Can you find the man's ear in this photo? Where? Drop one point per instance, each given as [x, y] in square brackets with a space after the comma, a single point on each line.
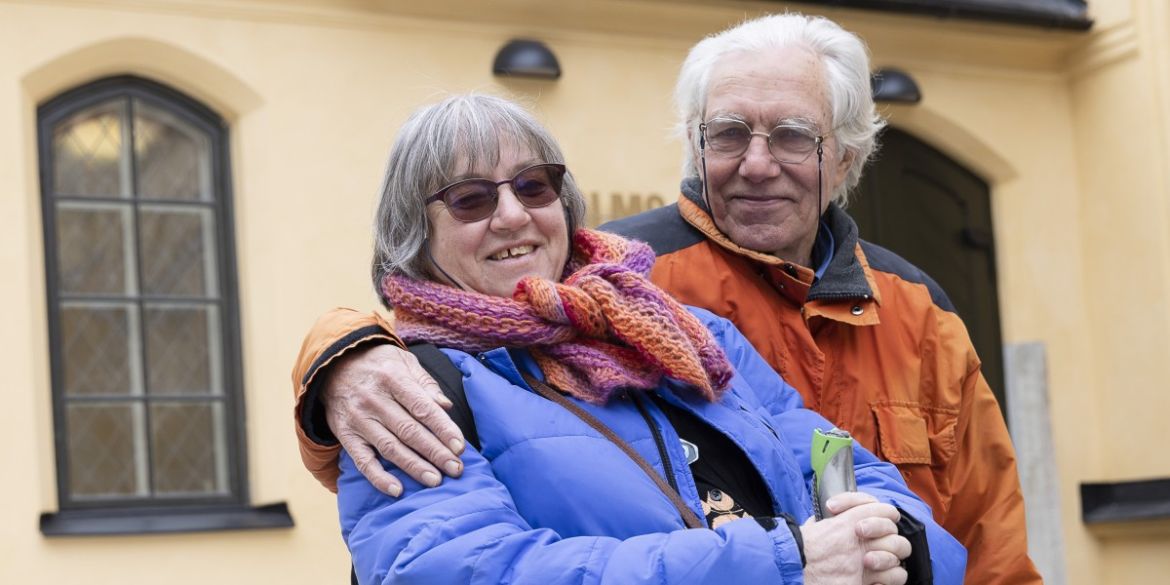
[693, 148]
[844, 164]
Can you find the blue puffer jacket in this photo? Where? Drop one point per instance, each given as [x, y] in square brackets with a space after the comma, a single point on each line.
[549, 500]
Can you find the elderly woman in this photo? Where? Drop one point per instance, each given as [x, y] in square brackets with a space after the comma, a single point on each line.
[623, 438]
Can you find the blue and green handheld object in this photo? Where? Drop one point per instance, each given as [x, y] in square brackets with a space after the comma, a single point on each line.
[832, 464]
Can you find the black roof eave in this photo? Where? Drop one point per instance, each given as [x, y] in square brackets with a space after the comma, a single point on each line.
[1065, 16]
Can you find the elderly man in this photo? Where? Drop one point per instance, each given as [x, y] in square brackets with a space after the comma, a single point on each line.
[779, 122]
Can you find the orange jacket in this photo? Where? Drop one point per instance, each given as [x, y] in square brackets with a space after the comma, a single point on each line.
[874, 346]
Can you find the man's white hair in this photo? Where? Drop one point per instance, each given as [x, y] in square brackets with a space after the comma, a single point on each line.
[846, 66]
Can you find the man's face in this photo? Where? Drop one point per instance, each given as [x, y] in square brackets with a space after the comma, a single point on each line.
[758, 202]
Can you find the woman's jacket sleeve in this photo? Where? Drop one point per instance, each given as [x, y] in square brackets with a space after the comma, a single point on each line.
[467, 530]
[783, 404]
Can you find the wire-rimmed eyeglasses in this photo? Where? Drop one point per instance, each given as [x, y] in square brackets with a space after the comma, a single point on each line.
[788, 143]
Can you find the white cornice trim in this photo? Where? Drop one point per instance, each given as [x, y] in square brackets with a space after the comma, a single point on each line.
[1103, 48]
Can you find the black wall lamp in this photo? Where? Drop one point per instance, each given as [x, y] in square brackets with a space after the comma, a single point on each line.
[894, 86]
[525, 58]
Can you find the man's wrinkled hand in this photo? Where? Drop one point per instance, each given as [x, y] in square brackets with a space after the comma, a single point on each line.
[379, 400]
[860, 544]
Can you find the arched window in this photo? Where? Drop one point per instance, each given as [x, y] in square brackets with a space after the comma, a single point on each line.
[143, 313]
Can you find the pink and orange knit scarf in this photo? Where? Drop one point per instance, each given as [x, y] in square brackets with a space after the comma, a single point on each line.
[605, 327]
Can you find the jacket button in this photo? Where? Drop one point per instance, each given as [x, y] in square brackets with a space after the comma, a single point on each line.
[857, 310]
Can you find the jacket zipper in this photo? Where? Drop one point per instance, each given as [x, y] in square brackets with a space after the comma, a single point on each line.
[658, 441]
[837, 296]
[759, 418]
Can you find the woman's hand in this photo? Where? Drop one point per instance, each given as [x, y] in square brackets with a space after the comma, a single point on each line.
[860, 544]
[380, 400]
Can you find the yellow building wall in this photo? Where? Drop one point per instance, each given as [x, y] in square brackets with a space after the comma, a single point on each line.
[1070, 129]
[1119, 86]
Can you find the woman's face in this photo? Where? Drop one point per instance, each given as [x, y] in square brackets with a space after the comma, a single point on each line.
[491, 255]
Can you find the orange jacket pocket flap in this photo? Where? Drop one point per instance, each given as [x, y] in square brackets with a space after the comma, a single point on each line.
[902, 432]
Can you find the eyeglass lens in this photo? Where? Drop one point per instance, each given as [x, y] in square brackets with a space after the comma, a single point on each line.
[474, 199]
[788, 144]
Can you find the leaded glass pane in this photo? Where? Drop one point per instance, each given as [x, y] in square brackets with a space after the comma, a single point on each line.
[99, 343]
[178, 251]
[95, 248]
[173, 159]
[106, 457]
[182, 349]
[88, 158]
[188, 449]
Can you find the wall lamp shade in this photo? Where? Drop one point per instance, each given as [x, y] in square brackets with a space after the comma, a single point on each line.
[524, 58]
[894, 86]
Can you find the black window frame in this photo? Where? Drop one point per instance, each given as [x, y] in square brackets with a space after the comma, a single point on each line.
[139, 514]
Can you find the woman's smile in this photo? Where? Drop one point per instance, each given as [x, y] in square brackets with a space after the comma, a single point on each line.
[514, 252]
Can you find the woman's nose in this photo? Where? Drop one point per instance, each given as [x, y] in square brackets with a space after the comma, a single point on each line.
[510, 214]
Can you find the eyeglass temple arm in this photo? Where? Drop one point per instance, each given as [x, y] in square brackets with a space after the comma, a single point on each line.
[703, 162]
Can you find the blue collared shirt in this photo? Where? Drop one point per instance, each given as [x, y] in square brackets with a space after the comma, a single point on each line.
[823, 250]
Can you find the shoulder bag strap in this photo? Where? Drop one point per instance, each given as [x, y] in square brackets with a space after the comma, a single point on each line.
[689, 517]
[450, 381]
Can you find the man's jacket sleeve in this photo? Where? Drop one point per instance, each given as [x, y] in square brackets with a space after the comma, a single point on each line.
[332, 335]
[783, 404]
[983, 469]
[467, 530]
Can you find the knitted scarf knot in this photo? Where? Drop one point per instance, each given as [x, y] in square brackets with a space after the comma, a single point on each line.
[604, 328]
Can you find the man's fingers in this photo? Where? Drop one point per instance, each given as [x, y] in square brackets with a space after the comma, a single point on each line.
[894, 576]
[879, 560]
[387, 442]
[414, 461]
[847, 500]
[391, 449]
[408, 461]
[875, 527]
[871, 509]
[418, 394]
[893, 544]
[435, 419]
[369, 466]
[408, 444]
[422, 380]
[370, 430]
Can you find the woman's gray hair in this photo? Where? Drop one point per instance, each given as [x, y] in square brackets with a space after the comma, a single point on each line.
[846, 65]
[459, 130]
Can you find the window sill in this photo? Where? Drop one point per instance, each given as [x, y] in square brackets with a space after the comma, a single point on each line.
[108, 522]
[1127, 508]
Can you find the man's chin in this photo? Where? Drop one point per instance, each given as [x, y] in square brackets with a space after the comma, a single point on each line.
[765, 238]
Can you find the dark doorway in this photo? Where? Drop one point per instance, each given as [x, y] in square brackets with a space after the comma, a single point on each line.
[935, 213]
